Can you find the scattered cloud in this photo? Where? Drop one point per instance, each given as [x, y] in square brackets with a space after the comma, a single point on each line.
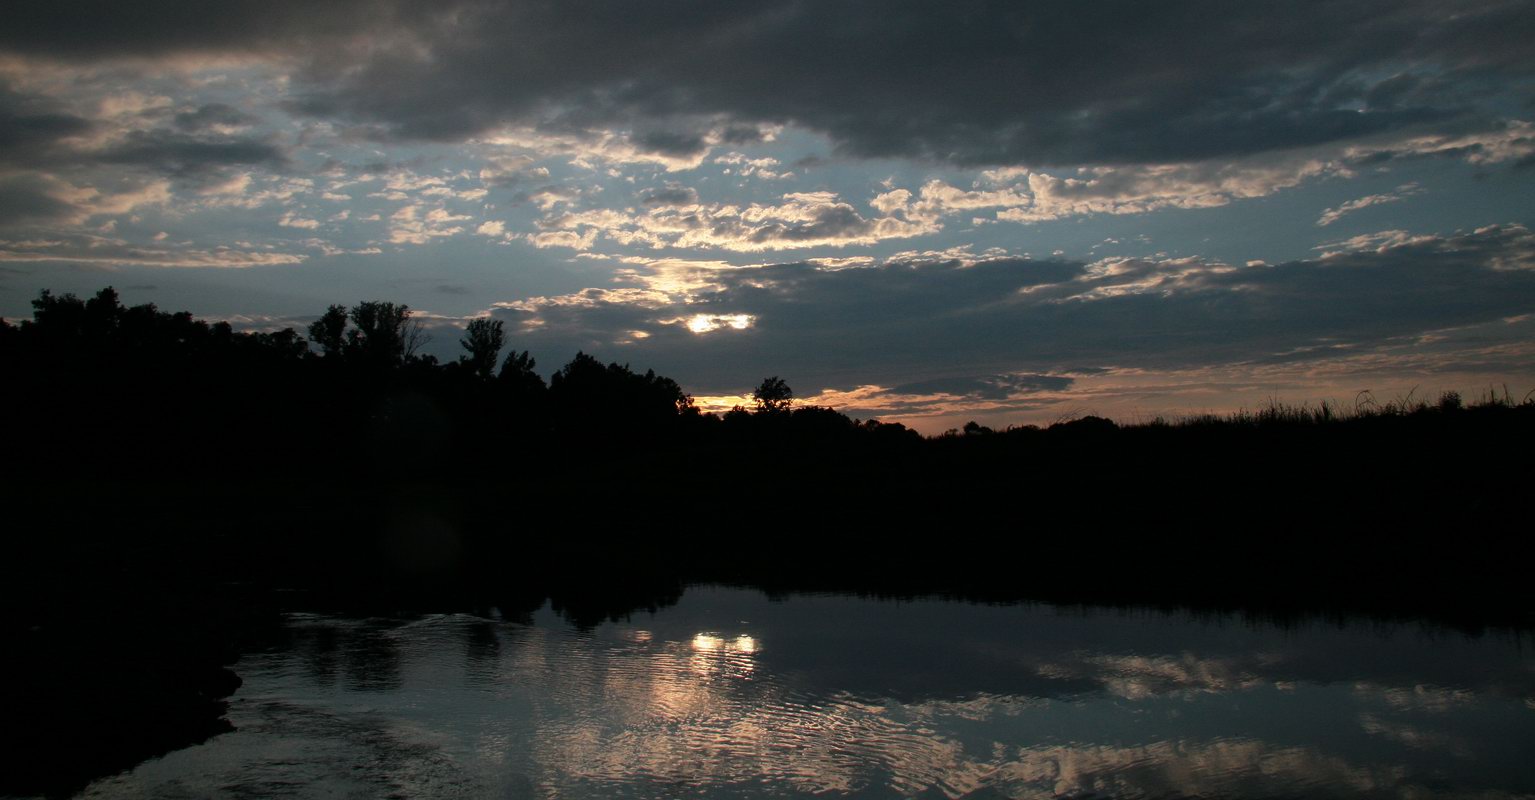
[411, 225]
[108, 252]
[1401, 193]
[1511, 140]
[1006, 330]
[799, 220]
[1023, 195]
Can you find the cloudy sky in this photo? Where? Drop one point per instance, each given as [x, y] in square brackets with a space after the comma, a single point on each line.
[1002, 211]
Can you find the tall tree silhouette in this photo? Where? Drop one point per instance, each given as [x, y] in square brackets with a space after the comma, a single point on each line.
[483, 339]
[380, 332]
[384, 333]
[329, 331]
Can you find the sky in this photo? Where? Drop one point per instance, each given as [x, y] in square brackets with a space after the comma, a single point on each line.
[928, 213]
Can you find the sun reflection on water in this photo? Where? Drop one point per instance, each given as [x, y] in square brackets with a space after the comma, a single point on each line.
[740, 644]
[714, 654]
[708, 710]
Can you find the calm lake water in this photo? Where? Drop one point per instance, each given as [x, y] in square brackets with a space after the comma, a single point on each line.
[731, 694]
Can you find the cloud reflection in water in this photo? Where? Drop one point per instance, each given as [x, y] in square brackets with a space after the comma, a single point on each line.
[807, 698]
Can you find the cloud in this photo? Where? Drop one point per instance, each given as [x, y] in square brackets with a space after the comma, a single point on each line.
[30, 198]
[43, 199]
[1377, 242]
[291, 220]
[231, 185]
[33, 128]
[409, 225]
[548, 197]
[1401, 193]
[1023, 195]
[799, 220]
[215, 117]
[176, 153]
[673, 194]
[970, 396]
[974, 83]
[249, 28]
[765, 168]
[1010, 327]
[591, 147]
[108, 252]
[990, 387]
[1511, 140]
[510, 170]
[38, 131]
[574, 241]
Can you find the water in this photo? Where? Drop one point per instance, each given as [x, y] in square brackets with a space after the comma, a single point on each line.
[730, 694]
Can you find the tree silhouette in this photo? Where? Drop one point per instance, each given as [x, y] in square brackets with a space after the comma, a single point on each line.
[483, 339]
[518, 378]
[617, 396]
[773, 395]
[329, 331]
[381, 334]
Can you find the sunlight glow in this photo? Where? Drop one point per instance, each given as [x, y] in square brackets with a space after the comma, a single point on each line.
[719, 404]
[705, 323]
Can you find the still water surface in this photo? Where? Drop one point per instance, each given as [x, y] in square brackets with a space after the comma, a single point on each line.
[731, 694]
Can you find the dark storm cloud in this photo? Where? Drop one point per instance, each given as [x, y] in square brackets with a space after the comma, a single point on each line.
[180, 154]
[970, 81]
[934, 326]
[27, 199]
[92, 29]
[31, 128]
[37, 133]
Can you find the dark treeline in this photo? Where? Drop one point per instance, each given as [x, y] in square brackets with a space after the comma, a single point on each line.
[343, 457]
[166, 385]
[172, 484]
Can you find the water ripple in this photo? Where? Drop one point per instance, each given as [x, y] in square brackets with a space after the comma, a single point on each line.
[698, 702]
